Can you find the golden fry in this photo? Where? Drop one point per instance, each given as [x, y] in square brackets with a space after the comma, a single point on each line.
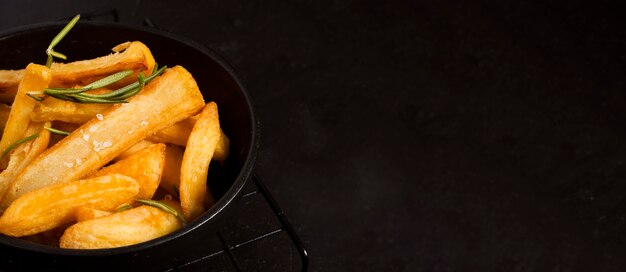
[52, 109]
[9, 80]
[203, 139]
[36, 78]
[179, 133]
[24, 153]
[133, 149]
[145, 166]
[120, 229]
[4, 114]
[171, 171]
[56, 205]
[102, 139]
[84, 213]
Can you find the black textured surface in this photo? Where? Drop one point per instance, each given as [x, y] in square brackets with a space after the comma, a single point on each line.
[425, 136]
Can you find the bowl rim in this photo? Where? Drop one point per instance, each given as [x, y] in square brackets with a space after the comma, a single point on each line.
[233, 192]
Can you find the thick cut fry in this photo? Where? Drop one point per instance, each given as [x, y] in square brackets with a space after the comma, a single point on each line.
[134, 149]
[168, 99]
[84, 213]
[56, 205]
[179, 133]
[171, 172]
[36, 78]
[52, 109]
[24, 153]
[134, 56]
[200, 148]
[120, 229]
[4, 114]
[128, 56]
[145, 166]
[9, 80]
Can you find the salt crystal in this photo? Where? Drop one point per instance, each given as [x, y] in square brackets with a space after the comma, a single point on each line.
[93, 129]
[86, 137]
[68, 164]
[79, 161]
[144, 122]
[99, 116]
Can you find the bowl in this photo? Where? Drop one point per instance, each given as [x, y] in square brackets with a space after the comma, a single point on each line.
[218, 82]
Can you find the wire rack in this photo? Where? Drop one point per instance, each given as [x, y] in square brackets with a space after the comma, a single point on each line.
[259, 238]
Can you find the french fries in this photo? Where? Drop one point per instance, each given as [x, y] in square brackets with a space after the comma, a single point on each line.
[145, 166]
[55, 205]
[201, 144]
[97, 142]
[36, 77]
[149, 133]
[9, 80]
[23, 154]
[124, 228]
[84, 213]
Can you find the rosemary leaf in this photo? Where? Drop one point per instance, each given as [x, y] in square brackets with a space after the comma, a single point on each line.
[18, 142]
[33, 96]
[65, 90]
[109, 79]
[124, 207]
[63, 32]
[163, 206]
[85, 98]
[57, 131]
[57, 55]
[129, 87]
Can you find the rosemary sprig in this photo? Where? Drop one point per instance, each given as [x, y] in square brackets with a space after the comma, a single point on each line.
[18, 142]
[57, 131]
[163, 206]
[50, 50]
[123, 207]
[116, 96]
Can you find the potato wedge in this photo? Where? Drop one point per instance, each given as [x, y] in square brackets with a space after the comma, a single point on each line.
[179, 133]
[145, 166]
[194, 194]
[24, 153]
[171, 171]
[4, 115]
[56, 205]
[134, 56]
[124, 228]
[84, 213]
[52, 109]
[36, 78]
[99, 141]
[9, 80]
[134, 149]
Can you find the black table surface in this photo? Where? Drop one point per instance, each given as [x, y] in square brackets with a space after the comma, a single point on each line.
[422, 135]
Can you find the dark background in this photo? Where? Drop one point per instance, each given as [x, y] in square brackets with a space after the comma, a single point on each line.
[423, 135]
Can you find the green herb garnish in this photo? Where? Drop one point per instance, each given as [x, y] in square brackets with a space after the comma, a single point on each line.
[18, 142]
[50, 50]
[57, 131]
[163, 206]
[123, 207]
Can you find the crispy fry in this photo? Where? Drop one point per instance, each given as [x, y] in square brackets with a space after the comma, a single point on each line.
[168, 99]
[134, 149]
[84, 213]
[56, 205]
[120, 229]
[179, 133]
[4, 114]
[36, 78]
[128, 56]
[171, 171]
[145, 166]
[24, 153]
[200, 149]
[9, 80]
[52, 109]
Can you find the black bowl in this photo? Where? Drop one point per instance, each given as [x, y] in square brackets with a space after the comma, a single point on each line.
[218, 83]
